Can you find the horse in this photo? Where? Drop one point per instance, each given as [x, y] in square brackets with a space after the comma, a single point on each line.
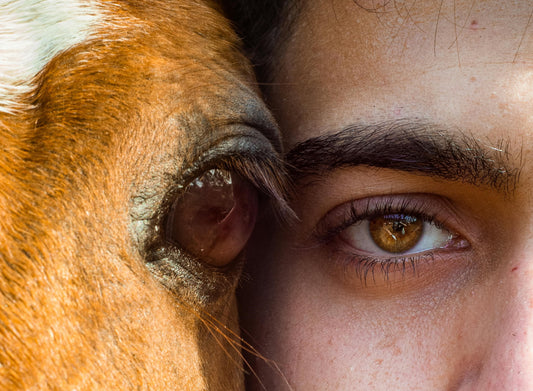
[136, 154]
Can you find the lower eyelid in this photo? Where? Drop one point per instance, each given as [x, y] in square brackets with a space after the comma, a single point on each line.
[368, 277]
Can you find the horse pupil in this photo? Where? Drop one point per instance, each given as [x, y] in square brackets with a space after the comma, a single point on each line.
[214, 217]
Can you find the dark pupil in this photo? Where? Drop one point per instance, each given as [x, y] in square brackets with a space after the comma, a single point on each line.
[214, 217]
[400, 223]
[399, 227]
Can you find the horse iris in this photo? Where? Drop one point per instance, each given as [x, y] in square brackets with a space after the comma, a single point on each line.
[214, 218]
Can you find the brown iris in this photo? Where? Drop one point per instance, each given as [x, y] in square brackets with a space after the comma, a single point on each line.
[396, 233]
[214, 217]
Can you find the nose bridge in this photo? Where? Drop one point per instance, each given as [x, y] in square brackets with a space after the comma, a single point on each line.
[509, 361]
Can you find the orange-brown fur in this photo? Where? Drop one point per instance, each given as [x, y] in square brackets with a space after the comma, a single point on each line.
[110, 127]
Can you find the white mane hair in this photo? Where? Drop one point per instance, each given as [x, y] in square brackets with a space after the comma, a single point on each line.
[32, 32]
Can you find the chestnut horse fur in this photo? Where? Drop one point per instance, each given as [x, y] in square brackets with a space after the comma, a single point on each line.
[108, 109]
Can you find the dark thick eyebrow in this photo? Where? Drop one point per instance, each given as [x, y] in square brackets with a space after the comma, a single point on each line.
[409, 145]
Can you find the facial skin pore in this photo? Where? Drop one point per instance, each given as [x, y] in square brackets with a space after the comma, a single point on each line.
[417, 108]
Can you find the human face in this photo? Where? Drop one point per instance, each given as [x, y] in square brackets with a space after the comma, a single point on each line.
[411, 267]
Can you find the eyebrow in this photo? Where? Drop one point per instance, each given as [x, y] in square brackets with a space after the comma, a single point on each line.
[410, 145]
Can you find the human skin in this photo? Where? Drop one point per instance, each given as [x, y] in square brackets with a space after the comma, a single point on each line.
[319, 306]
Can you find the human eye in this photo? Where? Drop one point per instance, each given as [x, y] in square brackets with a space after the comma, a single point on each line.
[387, 236]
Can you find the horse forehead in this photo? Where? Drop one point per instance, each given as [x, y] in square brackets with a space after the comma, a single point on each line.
[32, 32]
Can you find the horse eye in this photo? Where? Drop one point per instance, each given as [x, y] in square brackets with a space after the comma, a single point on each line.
[214, 218]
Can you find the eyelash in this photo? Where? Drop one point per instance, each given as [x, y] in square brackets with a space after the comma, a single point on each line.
[384, 206]
[364, 266]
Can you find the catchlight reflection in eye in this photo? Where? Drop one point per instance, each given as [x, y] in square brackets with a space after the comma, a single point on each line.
[214, 218]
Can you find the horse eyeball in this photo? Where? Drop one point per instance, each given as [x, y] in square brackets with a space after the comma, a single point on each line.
[214, 218]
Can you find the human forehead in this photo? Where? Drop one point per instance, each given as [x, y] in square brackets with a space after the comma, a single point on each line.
[344, 60]
[440, 26]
